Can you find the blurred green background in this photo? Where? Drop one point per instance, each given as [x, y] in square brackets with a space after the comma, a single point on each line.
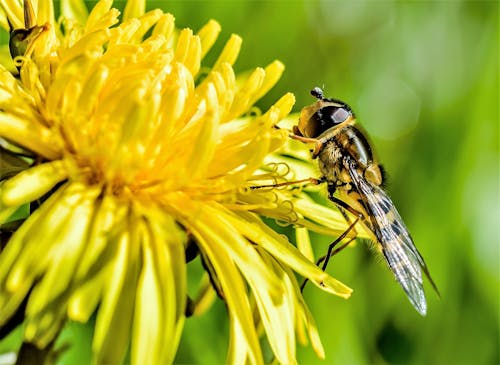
[423, 80]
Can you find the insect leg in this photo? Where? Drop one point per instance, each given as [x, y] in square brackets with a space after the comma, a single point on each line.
[318, 144]
[331, 248]
[331, 252]
[310, 180]
[325, 259]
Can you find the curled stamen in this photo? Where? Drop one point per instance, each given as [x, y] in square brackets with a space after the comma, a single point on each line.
[276, 166]
[289, 216]
[254, 112]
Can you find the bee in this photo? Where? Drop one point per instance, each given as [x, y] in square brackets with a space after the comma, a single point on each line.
[347, 164]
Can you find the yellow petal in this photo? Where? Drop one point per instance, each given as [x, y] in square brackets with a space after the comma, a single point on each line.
[273, 74]
[109, 217]
[74, 9]
[116, 309]
[65, 254]
[20, 255]
[206, 141]
[165, 26]
[27, 134]
[283, 251]
[208, 35]
[230, 52]
[236, 300]
[31, 184]
[304, 242]
[156, 316]
[14, 13]
[247, 93]
[101, 16]
[42, 329]
[188, 51]
[240, 350]
[327, 217]
[134, 9]
[85, 298]
[278, 318]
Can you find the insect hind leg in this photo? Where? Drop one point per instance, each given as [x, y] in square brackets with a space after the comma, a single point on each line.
[332, 250]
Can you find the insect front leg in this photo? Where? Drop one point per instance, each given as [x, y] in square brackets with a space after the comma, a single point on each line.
[318, 143]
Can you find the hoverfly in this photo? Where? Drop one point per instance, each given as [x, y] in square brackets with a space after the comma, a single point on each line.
[349, 168]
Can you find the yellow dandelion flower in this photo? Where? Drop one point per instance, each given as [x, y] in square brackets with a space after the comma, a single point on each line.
[137, 154]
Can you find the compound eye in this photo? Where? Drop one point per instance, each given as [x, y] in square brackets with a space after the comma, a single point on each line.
[331, 115]
[326, 118]
[340, 115]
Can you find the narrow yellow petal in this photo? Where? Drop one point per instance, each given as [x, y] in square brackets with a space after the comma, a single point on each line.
[234, 295]
[304, 317]
[101, 16]
[42, 329]
[247, 93]
[18, 241]
[27, 134]
[157, 316]
[74, 9]
[116, 309]
[44, 236]
[283, 251]
[273, 74]
[91, 89]
[179, 86]
[109, 217]
[304, 242]
[6, 213]
[313, 333]
[67, 246]
[205, 297]
[278, 318]
[14, 13]
[240, 351]
[4, 23]
[134, 9]
[326, 216]
[45, 13]
[85, 298]
[165, 26]
[285, 103]
[213, 222]
[21, 255]
[30, 184]
[208, 35]
[206, 141]
[188, 50]
[230, 52]
[146, 22]
[151, 313]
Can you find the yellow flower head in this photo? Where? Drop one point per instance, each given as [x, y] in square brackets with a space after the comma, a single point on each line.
[137, 152]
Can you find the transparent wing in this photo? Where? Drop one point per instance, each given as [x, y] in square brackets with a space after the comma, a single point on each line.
[398, 248]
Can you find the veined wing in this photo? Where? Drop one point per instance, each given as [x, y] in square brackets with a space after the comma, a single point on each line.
[398, 248]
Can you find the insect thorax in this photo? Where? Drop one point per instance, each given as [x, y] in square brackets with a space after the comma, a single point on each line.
[330, 162]
[348, 142]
